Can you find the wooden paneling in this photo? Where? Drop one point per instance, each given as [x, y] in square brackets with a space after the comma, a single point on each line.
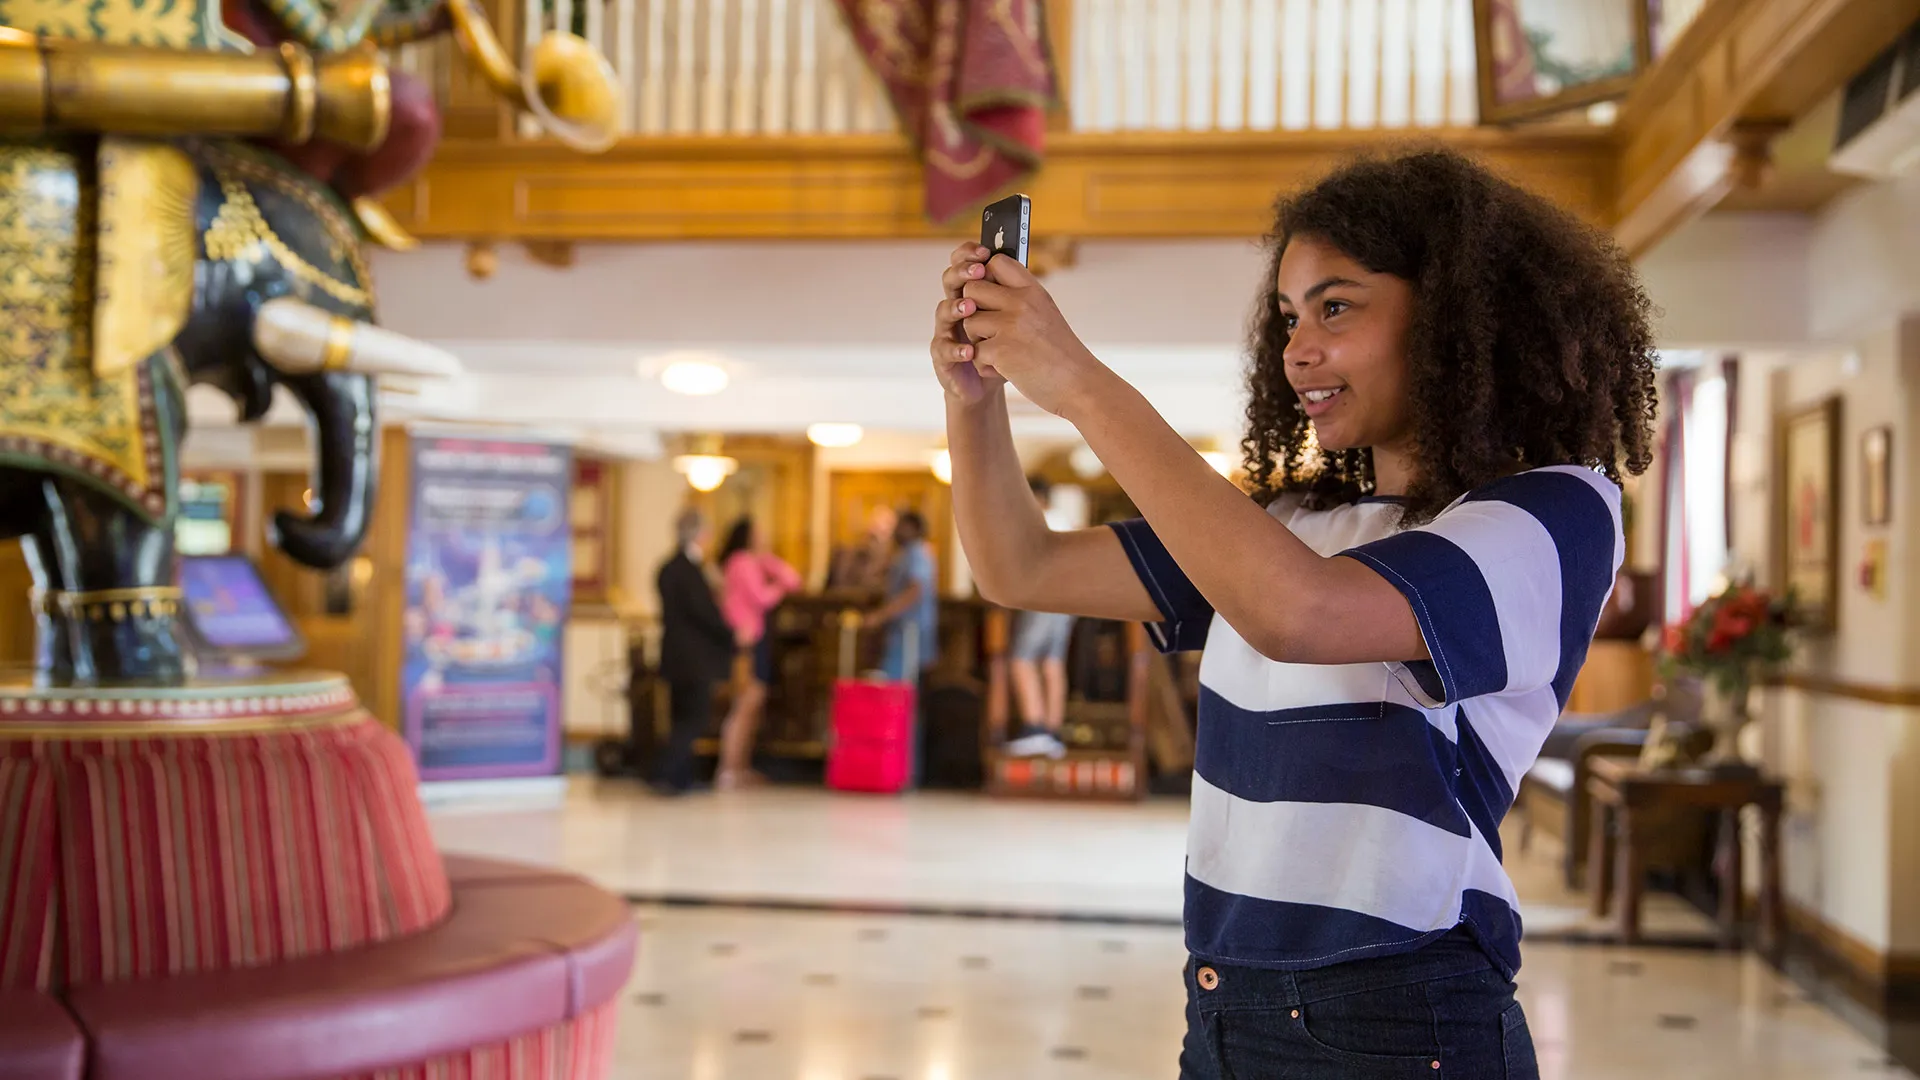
[1902, 696]
[1879, 972]
[774, 486]
[854, 495]
[1094, 185]
[1742, 61]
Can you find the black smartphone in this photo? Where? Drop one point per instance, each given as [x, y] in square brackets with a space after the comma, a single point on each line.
[1003, 227]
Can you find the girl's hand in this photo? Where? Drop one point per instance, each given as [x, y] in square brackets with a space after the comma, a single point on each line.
[1020, 335]
[953, 354]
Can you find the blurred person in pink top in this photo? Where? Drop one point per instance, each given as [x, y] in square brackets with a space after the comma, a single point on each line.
[754, 581]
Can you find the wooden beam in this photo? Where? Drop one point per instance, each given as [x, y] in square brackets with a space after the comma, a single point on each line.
[1059, 30]
[1094, 185]
[1753, 61]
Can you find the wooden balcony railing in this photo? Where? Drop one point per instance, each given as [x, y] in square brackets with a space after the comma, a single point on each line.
[756, 118]
[790, 67]
[1266, 65]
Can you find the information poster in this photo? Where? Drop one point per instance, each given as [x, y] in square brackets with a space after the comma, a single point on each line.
[488, 584]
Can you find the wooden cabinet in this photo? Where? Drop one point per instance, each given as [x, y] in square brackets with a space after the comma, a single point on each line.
[1617, 675]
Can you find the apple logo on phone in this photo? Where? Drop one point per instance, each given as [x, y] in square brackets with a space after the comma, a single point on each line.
[1000, 238]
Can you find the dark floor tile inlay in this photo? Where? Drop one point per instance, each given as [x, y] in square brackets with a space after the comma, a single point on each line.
[1678, 1023]
[873, 933]
[650, 999]
[721, 948]
[822, 980]
[1625, 967]
[974, 963]
[935, 1012]
[1070, 1053]
[1095, 993]
[753, 1036]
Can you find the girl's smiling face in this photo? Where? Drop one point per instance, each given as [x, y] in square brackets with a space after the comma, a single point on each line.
[1346, 354]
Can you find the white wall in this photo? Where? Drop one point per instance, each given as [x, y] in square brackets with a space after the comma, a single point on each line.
[1863, 266]
[1853, 832]
[1731, 281]
[1843, 758]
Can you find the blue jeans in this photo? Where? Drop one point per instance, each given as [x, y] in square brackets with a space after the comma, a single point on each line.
[1385, 1018]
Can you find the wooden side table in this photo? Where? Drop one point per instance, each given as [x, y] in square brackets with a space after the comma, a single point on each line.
[1623, 792]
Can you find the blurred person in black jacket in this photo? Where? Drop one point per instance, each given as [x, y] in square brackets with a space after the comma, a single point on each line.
[696, 651]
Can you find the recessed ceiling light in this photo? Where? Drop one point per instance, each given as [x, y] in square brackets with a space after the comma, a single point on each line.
[943, 466]
[695, 378]
[835, 435]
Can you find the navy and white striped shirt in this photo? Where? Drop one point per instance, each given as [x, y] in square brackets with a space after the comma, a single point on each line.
[1348, 811]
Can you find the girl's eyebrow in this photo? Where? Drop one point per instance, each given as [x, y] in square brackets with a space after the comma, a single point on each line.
[1330, 283]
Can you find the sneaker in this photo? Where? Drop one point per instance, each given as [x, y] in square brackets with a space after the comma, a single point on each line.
[1034, 741]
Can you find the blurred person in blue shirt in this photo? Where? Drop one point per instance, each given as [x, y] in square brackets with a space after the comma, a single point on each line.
[913, 599]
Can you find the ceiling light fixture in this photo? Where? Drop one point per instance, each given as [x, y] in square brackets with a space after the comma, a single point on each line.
[694, 378]
[705, 472]
[1222, 463]
[835, 436]
[943, 466]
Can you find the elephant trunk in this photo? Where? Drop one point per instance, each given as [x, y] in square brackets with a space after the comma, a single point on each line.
[341, 403]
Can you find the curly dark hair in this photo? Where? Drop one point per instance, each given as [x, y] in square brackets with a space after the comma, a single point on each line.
[1531, 341]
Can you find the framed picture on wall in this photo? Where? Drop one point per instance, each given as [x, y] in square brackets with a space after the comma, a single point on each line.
[592, 517]
[1876, 476]
[1807, 508]
[1536, 57]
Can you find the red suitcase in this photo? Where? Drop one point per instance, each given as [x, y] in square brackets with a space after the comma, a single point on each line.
[871, 747]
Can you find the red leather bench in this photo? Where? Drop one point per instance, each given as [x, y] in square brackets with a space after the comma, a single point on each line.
[523, 949]
[38, 1040]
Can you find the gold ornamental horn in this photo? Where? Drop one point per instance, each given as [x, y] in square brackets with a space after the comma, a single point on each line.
[567, 85]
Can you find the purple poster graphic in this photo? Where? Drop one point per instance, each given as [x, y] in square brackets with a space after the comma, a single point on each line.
[488, 584]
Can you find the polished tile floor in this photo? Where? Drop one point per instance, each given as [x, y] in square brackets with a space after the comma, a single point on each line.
[793, 934]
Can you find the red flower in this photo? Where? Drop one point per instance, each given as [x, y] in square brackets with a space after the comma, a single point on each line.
[1675, 640]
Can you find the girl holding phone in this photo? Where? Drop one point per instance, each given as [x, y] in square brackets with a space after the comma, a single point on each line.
[1449, 377]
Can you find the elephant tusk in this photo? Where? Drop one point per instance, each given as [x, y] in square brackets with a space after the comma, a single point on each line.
[298, 338]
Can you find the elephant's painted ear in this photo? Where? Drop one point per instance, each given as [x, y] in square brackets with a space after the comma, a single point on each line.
[143, 285]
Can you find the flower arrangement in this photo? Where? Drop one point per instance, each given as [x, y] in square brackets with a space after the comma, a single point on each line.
[1739, 635]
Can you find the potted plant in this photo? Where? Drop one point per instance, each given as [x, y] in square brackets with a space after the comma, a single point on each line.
[1740, 636]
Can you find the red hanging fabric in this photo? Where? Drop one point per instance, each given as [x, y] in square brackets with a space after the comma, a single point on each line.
[971, 81]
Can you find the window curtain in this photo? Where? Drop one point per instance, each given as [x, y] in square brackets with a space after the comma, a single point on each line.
[1673, 499]
[1695, 519]
[1729, 374]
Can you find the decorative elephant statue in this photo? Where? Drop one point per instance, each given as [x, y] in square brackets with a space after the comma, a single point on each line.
[136, 268]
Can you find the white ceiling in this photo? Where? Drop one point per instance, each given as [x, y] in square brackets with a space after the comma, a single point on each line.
[838, 331]
[802, 295]
[808, 332]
